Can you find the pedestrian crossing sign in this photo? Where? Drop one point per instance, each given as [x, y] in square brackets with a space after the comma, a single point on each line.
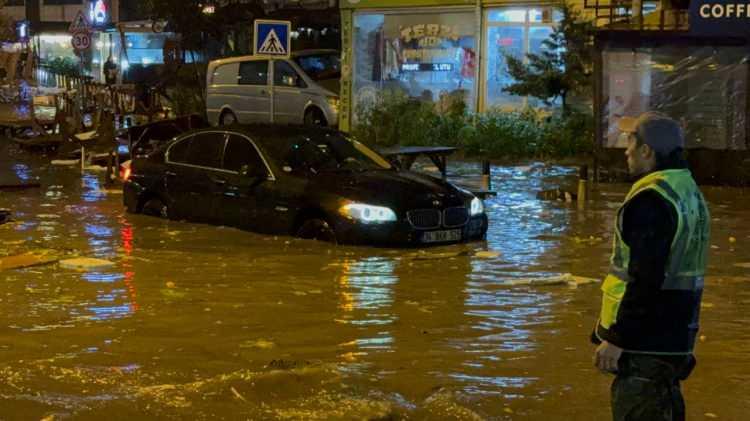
[272, 38]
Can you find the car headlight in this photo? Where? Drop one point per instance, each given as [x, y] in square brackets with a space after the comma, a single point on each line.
[368, 214]
[333, 102]
[477, 207]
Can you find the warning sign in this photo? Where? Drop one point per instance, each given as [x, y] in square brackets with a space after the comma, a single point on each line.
[79, 24]
[272, 38]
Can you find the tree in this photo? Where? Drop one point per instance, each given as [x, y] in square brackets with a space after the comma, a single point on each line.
[7, 31]
[564, 66]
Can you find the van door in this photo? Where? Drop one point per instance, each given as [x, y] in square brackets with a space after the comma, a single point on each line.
[254, 91]
[222, 91]
[289, 95]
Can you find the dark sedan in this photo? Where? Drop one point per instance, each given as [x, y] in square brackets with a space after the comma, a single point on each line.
[309, 182]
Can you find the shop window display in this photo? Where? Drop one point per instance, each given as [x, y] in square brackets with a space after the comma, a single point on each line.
[703, 87]
[428, 56]
[515, 32]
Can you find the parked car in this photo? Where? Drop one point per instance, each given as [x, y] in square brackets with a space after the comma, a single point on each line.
[301, 90]
[296, 180]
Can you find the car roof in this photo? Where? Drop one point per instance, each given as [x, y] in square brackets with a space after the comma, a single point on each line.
[300, 53]
[273, 130]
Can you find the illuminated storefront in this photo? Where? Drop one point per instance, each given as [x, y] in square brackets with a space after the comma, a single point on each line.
[432, 49]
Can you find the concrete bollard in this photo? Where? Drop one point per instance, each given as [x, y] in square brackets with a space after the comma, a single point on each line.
[583, 178]
[486, 181]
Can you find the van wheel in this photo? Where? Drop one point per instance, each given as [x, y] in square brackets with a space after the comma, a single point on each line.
[155, 207]
[227, 118]
[317, 229]
[315, 117]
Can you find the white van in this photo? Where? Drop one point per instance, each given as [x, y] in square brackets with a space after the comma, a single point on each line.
[249, 89]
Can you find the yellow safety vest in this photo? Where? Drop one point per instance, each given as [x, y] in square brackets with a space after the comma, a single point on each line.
[686, 265]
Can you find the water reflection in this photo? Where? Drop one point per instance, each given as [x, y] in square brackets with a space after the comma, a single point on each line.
[522, 227]
[92, 188]
[23, 172]
[365, 289]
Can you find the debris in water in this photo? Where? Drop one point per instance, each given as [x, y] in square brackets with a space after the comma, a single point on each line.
[567, 278]
[34, 258]
[237, 394]
[85, 263]
[258, 343]
[487, 254]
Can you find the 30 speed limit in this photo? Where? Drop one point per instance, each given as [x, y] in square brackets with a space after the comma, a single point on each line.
[81, 41]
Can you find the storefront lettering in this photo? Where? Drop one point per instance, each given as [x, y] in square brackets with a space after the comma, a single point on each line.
[719, 11]
[429, 34]
[429, 55]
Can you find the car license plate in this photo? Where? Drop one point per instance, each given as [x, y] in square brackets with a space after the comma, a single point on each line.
[441, 236]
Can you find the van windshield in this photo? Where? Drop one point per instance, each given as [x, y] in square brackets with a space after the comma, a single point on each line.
[321, 66]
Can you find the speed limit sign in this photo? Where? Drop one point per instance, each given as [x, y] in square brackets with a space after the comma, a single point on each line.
[81, 41]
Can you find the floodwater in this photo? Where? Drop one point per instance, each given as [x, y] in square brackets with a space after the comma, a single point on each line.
[201, 322]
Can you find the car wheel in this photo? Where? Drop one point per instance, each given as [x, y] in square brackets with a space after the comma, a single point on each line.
[155, 207]
[317, 229]
[227, 118]
[315, 117]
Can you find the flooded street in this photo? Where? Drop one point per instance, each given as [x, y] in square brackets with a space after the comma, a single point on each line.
[201, 322]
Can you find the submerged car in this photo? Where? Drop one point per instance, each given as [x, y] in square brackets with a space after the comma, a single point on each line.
[310, 182]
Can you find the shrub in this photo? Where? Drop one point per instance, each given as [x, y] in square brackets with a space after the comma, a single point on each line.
[396, 119]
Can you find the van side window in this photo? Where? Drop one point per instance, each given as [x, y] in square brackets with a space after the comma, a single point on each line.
[253, 73]
[284, 75]
[206, 149]
[226, 74]
[241, 152]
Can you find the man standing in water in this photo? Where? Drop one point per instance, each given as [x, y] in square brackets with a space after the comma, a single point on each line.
[651, 302]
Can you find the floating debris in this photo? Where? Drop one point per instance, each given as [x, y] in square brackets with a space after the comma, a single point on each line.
[85, 263]
[34, 258]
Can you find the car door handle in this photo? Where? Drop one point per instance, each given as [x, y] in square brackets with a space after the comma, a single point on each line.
[170, 174]
[219, 181]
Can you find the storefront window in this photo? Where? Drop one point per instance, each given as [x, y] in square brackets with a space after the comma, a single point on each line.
[705, 88]
[515, 32]
[428, 56]
[56, 46]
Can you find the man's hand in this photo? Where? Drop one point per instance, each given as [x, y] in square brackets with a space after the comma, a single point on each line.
[606, 357]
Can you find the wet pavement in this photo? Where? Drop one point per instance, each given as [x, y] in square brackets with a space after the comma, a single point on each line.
[203, 322]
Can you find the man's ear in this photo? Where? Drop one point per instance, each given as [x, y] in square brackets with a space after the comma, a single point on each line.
[647, 151]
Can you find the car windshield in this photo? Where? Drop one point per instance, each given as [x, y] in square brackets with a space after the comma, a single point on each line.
[324, 152]
[320, 66]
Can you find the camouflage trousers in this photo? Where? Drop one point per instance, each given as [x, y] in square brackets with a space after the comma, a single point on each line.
[647, 388]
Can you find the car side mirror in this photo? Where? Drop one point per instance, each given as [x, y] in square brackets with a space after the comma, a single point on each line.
[252, 172]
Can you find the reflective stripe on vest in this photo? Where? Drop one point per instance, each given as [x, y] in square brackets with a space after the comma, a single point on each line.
[686, 265]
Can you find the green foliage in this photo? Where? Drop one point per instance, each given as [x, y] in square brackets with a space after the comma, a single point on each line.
[564, 66]
[7, 29]
[185, 94]
[64, 66]
[395, 119]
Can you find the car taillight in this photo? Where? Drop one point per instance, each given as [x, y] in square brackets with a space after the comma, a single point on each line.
[125, 174]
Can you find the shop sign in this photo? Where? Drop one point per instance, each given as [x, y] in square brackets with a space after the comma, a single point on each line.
[429, 39]
[729, 18]
[99, 12]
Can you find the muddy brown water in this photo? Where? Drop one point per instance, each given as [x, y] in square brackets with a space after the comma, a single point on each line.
[203, 322]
